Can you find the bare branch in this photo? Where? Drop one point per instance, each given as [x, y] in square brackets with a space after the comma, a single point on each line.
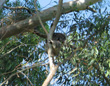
[18, 8]
[53, 67]
[34, 65]
[48, 14]
[53, 27]
[50, 76]
[40, 34]
[1, 3]
[58, 14]
[26, 77]
[11, 51]
[55, 80]
[40, 18]
[91, 9]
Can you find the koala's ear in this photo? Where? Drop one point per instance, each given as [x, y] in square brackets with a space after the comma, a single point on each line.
[50, 41]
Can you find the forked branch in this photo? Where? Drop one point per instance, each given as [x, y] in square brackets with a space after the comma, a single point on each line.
[53, 67]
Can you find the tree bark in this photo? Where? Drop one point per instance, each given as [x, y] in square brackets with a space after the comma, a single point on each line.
[45, 15]
[1, 3]
[53, 67]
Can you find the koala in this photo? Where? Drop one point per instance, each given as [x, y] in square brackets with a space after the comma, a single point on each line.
[59, 37]
[56, 42]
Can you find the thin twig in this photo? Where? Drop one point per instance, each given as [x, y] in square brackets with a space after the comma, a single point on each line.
[91, 9]
[26, 77]
[40, 18]
[35, 65]
[19, 7]
[40, 34]
[11, 51]
[55, 80]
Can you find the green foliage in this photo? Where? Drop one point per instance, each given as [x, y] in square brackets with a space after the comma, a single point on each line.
[88, 47]
[85, 55]
[19, 51]
[13, 51]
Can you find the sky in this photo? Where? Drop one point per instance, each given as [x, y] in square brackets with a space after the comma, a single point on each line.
[49, 3]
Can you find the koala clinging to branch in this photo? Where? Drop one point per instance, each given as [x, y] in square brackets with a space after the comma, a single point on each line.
[56, 42]
[56, 46]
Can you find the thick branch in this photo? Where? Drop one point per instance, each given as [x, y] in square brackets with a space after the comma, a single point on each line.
[1, 3]
[58, 14]
[53, 67]
[50, 76]
[45, 15]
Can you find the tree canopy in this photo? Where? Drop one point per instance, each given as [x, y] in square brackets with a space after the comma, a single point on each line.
[26, 29]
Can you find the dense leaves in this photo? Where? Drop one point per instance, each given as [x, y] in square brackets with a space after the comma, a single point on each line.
[90, 51]
[85, 55]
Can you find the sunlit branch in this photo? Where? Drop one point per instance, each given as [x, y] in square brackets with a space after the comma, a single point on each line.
[38, 15]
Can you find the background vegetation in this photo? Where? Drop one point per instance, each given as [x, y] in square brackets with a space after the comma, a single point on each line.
[85, 55]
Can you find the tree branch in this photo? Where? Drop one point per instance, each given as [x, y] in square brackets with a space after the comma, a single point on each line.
[53, 67]
[50, 76]
[40, 18]
[11, 51]
[19, 71]
[59, 11]
[48, 14]
[18, 8]
[26, 77]
[91, 9]
[1, 3]
[40, 34]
